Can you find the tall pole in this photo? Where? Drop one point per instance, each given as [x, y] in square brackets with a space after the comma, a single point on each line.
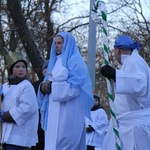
[92, 47]
[100, 5]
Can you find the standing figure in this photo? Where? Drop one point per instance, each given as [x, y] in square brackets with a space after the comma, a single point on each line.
[95, 128]
[65, 96]
[132, 96]
[20, 109]
[37, 83]
[40, 144]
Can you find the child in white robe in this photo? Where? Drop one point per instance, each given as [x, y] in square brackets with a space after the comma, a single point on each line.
[95, 128]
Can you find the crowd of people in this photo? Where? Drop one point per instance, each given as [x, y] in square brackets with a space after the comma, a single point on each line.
[60, 111]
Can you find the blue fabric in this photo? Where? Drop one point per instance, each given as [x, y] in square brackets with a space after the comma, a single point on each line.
[45, 64]
[1, 89]
[12, 147]
[1, 114]
[43, 101]
[126, 43]
[78, 74]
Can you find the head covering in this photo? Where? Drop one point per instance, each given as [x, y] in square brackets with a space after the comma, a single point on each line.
[78, 73]
[73, 61]
[14, 57]
[97, 105]
[45, 64]
[12, 66]
[126, 43]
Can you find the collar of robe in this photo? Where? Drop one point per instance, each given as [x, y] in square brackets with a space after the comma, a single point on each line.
[95, 108]
[14, 81]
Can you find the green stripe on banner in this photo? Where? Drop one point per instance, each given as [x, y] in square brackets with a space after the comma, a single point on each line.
[104, 30]
[105, 48]
[104, 16]
[116, 132]
[112, 113]
[110, 96]
[106, 62]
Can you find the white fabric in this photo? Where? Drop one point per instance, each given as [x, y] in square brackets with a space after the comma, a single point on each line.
[96, 148]
[20, 101]
[133, 127]
[132, 95]
[99, 122]
[65, 103]
[109, 142]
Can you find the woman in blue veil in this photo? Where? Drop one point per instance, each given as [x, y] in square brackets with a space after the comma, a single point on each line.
[70, 97]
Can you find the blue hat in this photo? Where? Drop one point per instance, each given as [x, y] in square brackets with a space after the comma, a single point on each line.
[126, 43]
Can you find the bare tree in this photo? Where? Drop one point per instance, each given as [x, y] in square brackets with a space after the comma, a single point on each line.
[30, 26]
[25, 35]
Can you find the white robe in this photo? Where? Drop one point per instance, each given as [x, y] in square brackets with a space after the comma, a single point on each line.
[132, 105]
[66, 128]
[99, 122]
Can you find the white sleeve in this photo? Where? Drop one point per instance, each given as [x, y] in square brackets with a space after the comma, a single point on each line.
[62, 91]
[99, 121]
[133, 83]
[27, 105]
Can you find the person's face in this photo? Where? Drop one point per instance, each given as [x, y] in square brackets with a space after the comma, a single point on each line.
[19, 70]
[59, 44]
[118, 55]
[96, 102]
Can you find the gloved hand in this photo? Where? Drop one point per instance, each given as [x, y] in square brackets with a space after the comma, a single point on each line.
[108, 72]
[89, 128]
[6, 117]
[46, 87]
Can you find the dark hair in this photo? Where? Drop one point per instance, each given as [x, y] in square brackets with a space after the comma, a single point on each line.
[95, 96]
